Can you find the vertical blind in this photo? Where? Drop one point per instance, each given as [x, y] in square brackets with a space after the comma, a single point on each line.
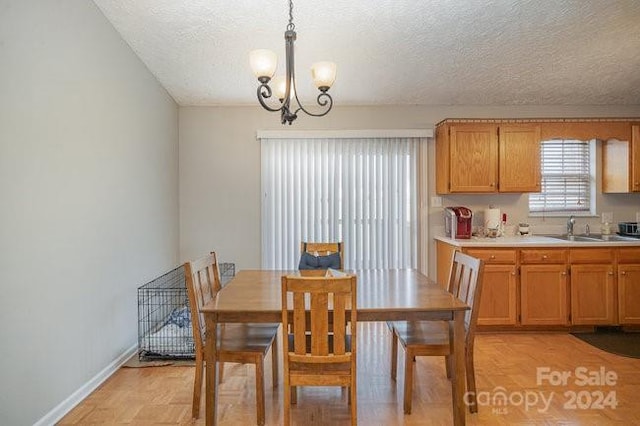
[361, 191]
[566, 177]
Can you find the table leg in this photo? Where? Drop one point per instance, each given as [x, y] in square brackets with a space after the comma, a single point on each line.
[211, 379]
[458, 379]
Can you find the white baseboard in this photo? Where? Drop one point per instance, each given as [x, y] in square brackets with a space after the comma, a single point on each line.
[75, 398]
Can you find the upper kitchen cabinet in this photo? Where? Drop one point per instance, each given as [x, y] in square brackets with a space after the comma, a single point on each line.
[519, 158]
[475, 157]
[621, 163]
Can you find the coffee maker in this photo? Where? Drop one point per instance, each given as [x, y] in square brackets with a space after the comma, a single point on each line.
[457, 222]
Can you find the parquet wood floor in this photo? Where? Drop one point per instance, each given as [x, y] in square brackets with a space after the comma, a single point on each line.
[505, 363]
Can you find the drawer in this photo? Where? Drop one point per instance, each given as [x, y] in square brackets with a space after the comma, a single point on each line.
[591, 256]
[493, 255]
[543, 256]
[629, 255]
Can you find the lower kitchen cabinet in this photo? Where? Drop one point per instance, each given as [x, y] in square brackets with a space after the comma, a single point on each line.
[538, 287]
[593, 295]
[629, 285]
[593, 286]
[498, 300]
[543, 295]
[629, 294]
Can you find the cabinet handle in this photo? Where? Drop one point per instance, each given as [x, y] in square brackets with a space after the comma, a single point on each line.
[610, 272]
[623, 273]
[544, 256]
[493, 256]
[563, 273]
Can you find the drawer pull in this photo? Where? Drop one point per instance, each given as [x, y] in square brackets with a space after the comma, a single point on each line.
[493, 256]
[544, 256]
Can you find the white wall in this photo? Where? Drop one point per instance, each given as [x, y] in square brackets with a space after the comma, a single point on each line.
[220, 168]
[88, 199]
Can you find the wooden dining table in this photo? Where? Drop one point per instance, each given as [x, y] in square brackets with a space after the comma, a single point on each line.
[382, 295]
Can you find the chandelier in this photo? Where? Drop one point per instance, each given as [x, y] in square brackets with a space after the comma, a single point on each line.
[264, 62]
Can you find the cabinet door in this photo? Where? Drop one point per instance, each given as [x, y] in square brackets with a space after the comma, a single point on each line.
[629, 294]
[621, 163]
[592, 295]
[473, 158]
[635, 158]
[519, 159]
[543, 295]
[498, 298]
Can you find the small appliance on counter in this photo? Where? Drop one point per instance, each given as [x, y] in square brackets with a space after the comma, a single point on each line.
[628, 229]
[457, 222]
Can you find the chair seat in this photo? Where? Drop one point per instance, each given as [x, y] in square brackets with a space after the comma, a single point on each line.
[246, 337]
[431, 333]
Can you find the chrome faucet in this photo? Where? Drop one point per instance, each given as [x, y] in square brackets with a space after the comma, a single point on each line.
[570, 222]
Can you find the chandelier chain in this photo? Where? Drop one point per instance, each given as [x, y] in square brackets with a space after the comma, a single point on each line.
[291, 26]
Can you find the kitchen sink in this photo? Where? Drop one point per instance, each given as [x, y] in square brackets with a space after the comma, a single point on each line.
[577, 238]
[595, 238]
[616, 237]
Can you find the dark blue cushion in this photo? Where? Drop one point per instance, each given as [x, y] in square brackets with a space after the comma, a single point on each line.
[309, 261]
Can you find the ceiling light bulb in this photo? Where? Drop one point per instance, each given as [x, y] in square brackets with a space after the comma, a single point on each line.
[279, 85]
[263, 63]
[323, 74]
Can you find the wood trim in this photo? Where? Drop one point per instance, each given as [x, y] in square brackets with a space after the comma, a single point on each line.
[554, 128]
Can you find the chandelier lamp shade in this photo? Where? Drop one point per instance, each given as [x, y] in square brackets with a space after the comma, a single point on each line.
[264, 63]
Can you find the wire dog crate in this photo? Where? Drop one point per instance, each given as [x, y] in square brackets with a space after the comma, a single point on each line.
[164, 318]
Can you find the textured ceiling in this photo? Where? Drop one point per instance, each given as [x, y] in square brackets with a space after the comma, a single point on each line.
[413, 52]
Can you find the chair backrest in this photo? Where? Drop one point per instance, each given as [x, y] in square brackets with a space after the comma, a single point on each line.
[203, 283]
[465, 282]
[331, 302]
[323, 249]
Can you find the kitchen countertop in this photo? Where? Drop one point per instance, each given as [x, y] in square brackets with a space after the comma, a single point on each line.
[532, 241]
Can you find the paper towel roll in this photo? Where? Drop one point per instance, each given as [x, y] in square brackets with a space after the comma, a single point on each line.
[492, 218]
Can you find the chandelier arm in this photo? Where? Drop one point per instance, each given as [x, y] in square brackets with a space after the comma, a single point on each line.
[264, 92]
[323, 99]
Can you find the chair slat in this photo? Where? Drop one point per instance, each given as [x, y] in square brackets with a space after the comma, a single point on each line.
[299, 324]
[339, 323]
[320, 324]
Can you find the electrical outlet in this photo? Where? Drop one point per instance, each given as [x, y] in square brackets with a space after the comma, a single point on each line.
[607, 217]
[436, 201]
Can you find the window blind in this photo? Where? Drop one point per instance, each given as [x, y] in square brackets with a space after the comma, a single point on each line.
[361, 191]
[566, 177]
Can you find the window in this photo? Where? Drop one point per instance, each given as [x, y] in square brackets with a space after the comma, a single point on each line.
[362, 191]
[568, 182]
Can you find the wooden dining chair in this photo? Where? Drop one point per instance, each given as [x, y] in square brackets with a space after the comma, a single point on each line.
[238, 343]
[434, 338]
[323, 249]
[314, 356]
